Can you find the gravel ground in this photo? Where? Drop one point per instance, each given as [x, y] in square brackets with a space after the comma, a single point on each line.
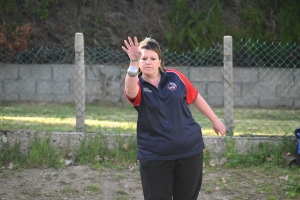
[82, 182]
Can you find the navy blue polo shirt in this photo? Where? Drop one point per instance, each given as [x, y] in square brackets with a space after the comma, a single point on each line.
[166, 129]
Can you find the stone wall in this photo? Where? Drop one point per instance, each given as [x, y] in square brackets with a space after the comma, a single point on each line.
[261, 87]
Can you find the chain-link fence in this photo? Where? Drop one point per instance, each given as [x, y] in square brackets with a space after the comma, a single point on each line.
[252, 86]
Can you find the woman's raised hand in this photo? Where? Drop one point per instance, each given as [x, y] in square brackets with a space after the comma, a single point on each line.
[132, 48]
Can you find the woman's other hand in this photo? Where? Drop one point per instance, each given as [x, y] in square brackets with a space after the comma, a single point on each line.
[219, 127]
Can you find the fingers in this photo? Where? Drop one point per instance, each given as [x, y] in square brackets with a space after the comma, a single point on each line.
[126, 43]
[136, 42]
[222, 134]
[217, 132]
[124, 49]
[130, 42]
[221, 131]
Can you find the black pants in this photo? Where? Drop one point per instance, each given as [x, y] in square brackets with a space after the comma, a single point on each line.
[164, 179]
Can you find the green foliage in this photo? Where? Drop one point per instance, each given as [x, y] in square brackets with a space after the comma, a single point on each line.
[11, 154]
[293, 188]
[254, 24]
[288, 21]
[190, 29]
[42, 154]
[126, 149]
[91, 149]
[258, 155]
[6, 7]
[94, 150]
[94, 28]
[264, 54]
[41, 8]
[39, 154]
[93, 188]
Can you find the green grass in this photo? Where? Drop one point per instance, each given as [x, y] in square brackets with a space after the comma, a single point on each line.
[93, 188]
[93, 150]
[255, 182]
[263, 164]
[121, 118]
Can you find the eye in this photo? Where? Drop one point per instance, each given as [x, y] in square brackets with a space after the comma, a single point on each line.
[153, 58]
[144, 58]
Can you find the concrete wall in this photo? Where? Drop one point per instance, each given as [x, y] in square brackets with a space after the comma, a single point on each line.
[261, 87]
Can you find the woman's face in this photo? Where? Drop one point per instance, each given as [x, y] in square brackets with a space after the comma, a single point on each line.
[149, 62]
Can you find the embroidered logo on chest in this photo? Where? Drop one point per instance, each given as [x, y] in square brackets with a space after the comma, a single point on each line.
[147, 90]
[172, 86]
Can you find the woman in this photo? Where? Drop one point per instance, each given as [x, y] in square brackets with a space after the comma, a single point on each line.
[170, 143]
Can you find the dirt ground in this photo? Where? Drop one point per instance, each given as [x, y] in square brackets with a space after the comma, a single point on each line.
[83, 182]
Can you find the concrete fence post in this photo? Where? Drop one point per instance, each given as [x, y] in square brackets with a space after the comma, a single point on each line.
[228, 85]
[79, 83]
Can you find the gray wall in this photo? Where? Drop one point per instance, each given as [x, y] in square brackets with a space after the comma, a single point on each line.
[265, 87]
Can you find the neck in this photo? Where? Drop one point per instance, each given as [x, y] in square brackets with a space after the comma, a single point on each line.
[154, 80]
[150, 77]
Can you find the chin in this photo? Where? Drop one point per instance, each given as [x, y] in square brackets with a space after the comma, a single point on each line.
[147, 72]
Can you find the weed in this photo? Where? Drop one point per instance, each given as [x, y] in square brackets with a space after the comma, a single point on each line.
[293, 187]
[118, 177]
[64, 183]
[93, 188]
[126, 149]
[97, 166]
[69, 191]
[42, 154]
[92, 149]
[261, 154]
[72, 175]
[11, 154]
[122, 195]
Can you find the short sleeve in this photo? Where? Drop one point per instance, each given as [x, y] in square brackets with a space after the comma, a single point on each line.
[191, 91]
[137, 100]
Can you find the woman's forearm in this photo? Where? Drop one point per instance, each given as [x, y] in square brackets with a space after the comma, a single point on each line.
[131, 86]
[203, 107]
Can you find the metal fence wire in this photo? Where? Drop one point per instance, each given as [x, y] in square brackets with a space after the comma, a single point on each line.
[258, 94]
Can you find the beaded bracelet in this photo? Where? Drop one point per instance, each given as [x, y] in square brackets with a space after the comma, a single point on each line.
[134, 60]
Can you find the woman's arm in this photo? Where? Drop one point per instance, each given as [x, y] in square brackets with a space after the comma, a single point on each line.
[131, 86]
[203, 107]
[134, 54]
